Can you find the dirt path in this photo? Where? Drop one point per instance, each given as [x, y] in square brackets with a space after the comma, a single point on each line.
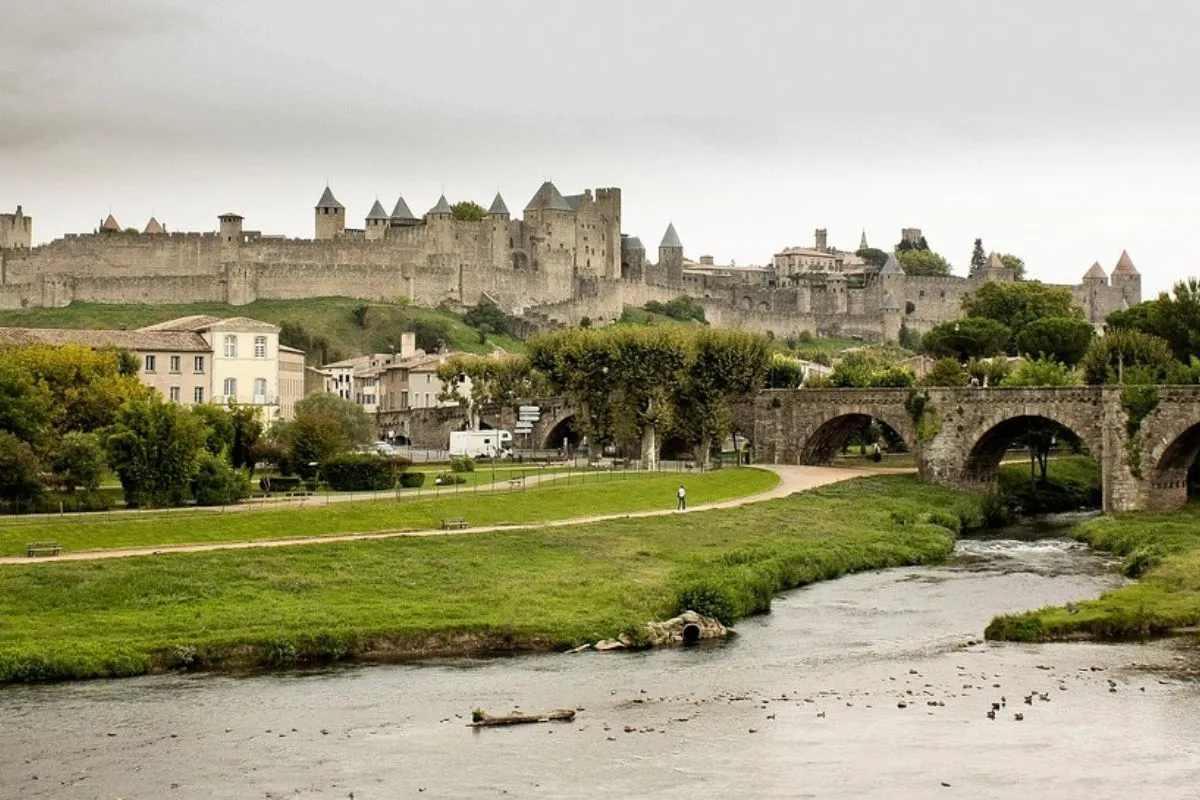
[792, 479]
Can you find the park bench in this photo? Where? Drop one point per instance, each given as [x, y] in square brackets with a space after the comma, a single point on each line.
[42, 549]
[454, 523]
[516, 480]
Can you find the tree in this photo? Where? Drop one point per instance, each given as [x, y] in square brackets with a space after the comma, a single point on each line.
[924, 262]
[872, 256]
[1043, 371]
[784, 372]
[218, 428]
[648, 372]
[359, 314]
[154, 448]
[488, 314]
[19, 470]
[1065, 339]
[216, 483]
[324, 425]
[492, 382]
[247, 430]
[78, 461]
[468, 211]
[1127, 356]
[1015, 264]
[577, 363]
[1015, 305]
[964, 339]
[946, 372]
[867, 370]
[978, 258]
[1175, 319]
[723, 365]
[25, 406]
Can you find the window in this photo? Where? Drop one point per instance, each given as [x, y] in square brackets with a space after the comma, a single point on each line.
[198, 394]
[231, 347]
[260, 390]
[173, 393]
[427, 403]
[230, 387]
[149, 363]
[198, 365]
[260, 347]
[174, 362]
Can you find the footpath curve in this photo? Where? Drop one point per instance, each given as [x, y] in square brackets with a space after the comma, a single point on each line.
[792, 479]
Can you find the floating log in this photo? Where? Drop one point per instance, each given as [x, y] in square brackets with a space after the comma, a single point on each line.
[482, 719]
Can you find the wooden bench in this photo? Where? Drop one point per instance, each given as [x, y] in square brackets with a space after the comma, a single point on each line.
[454, 524]
[42, 549]
[518, 480]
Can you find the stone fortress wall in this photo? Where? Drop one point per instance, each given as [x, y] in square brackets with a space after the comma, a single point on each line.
[564, 260]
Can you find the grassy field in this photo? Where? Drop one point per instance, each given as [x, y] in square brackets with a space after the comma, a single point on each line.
[585, 494]
[1162, 550]
[527, 589]
[320, 316]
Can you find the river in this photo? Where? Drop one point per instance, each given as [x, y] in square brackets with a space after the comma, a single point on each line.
[872, 686]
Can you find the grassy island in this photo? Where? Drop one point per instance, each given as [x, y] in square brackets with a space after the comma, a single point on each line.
[1161, 550]
[530, 589]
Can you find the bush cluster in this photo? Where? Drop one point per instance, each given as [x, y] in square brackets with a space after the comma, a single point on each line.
[358, 472]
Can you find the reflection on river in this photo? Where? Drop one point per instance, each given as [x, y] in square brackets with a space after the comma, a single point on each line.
[864, 687]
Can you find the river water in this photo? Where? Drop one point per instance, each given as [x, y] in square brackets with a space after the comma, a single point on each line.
[804, 702]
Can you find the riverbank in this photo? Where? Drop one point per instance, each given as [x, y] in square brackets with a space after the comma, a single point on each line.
[535, 589]
[1161, 550]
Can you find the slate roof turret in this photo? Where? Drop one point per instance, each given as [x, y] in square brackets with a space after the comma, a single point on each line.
[110, 224]
[671, 238]
[328, 200]
[1096, 271]
[377, 212]
[633, 243]
[498, 207]
[153, 228]
[402, 213]
[1125, 265]
[442, 207]
[548, 198]
[892, 267]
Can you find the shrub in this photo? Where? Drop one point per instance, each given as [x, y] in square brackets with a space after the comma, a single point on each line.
[449, 478]
[412, 480]
[995, 510]
[709, 599]
[216, 483]
[279, 483]
[462, 464]
[946, 519]
[357, 472]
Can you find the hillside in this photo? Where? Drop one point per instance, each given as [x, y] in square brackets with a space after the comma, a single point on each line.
[327, 324]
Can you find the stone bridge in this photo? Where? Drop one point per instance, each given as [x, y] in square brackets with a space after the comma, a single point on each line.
[962, 434]
[959, 440]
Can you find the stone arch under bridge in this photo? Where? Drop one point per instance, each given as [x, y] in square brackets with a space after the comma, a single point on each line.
[808, 426]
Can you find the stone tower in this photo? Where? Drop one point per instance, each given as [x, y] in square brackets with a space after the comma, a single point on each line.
[670, 257]
[910, 236]
[609, 202]
[231, 236]
[330, 217]
[498, 221]
[1095, 276]
[377, 222]
[633, 259]
[893, 318]
[402, 216]
[16, 231]
[1126, 278]
[440, 220]
[821, 239]
[994, 270]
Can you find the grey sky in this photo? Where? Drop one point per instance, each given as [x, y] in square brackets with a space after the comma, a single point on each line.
[1062, 132]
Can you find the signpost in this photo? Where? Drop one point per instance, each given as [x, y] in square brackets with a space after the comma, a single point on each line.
[526, 416]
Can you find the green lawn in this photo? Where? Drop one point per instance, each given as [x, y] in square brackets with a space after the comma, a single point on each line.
[534, 588]
[321, 316]
[1161, 549]
[585, 494]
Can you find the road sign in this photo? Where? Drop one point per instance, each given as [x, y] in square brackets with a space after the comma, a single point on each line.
[528, 410]
[528, 417]
[524, 426]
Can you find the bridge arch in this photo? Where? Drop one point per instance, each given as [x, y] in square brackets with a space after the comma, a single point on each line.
[1172, 456]
[820, 441]
[1000, 431]
[563, 426]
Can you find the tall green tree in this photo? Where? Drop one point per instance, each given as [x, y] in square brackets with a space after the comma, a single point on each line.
[872, 256]
[477, 383]
[1130, 357]
[247, 432]
[78, 461]
[25, 405]
[1174, 318]
[154, 448]
[1065, 339]
[20, 470]
[723, 366]
[964, 339]
[647, 377]
[323, 425]
[581, 364]
[1016, 264]
[1015, 305]
[978, 258]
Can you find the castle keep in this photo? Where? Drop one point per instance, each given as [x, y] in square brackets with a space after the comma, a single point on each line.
[563, 260]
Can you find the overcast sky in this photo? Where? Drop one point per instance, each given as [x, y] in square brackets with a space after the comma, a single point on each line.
[1060, 131]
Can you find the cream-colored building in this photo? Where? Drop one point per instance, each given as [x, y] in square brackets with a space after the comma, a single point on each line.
[199, 359]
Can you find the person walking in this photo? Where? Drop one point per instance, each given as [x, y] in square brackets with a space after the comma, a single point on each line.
[682, 495]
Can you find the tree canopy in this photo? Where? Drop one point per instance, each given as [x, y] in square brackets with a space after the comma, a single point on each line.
[1065, 339]
[1015, 305]
[964, 339]
[924, 262]
[872, 256]
[1174, 318]
[468, 211]
[1128, 356]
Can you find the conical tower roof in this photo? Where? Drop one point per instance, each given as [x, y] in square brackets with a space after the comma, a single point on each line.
[442, 207]
[548, 198]
[377, 212]
[498, 207]
[1125, 265]
[1096, 271]
[633, 243]
[892, 267]
[110, 224]
[153, 228]
[862, 242]
[671, 238]
[402, 213]
[890, 303]
[328, 200]
[995, 262]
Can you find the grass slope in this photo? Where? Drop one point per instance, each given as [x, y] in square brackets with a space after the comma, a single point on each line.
[324, 316]
[1161, 549]
[585, 494]
[413, 596]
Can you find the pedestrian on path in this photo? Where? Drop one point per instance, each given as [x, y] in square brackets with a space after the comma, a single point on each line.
[682, 495]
